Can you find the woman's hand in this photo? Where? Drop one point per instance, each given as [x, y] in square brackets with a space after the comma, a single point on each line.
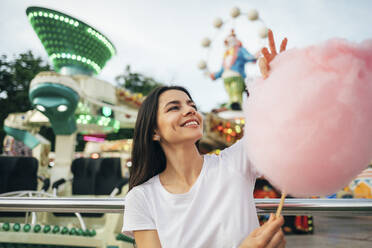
[264, 62]
[269, 235]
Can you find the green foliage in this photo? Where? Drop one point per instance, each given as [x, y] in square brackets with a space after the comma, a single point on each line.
[136, 82]
[15, 78]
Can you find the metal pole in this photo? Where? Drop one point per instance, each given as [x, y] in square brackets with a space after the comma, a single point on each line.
[65, 205]
[325, 207]
[328, 207]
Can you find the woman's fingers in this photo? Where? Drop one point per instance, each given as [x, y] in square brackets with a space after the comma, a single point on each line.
[266, 54]
[283, 45]
[277, 241]
[269, 56]
[269, 235]
[271, 229]
[282, 244]
[272, 43]
[264, 67]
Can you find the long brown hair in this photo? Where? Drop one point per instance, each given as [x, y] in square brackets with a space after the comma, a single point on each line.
[148, 158]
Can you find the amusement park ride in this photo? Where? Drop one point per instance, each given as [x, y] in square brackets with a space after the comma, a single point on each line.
[71, 100]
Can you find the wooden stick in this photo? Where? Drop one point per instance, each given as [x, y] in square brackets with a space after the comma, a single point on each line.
[279, 210]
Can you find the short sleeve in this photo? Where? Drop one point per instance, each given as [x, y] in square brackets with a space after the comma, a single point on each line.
[137, 215]
[236, 157]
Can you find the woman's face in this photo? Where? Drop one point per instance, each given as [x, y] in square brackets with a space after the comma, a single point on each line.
[178, 119]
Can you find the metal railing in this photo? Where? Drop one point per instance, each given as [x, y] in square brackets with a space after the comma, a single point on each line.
[329, 207]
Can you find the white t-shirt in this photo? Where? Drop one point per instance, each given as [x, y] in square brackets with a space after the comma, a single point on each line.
[218, 211]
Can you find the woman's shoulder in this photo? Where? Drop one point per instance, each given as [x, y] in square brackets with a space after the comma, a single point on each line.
[142, 189]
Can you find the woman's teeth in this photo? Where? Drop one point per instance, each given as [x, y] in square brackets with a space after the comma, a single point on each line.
[191, 123]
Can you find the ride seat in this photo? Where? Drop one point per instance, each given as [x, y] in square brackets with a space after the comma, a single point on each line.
[108, 176]
[17, 174]
[84, 172]
[94, 177]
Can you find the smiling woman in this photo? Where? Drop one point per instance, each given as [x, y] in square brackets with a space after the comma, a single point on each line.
[179, 198]
[148, 157]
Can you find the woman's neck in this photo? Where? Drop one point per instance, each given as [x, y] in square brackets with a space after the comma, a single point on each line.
[184, 164]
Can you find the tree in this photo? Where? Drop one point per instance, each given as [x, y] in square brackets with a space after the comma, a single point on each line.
[136, 82]
[15, 78]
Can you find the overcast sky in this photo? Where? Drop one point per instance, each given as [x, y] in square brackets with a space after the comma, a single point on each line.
[161, 38]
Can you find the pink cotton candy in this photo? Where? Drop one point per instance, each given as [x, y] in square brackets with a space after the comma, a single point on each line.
[309, 124]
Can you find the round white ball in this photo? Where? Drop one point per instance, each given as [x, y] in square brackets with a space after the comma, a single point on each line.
[217, 23]
[206, 42]
[202, 65]
[262, 32]
[252, 15]
[235, 12]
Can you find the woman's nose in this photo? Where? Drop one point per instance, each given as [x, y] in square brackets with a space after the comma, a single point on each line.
[189, 111]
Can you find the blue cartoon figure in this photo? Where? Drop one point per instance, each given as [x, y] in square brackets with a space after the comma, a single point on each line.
[232, 70]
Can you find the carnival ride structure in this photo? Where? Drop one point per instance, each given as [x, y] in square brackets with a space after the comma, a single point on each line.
[70, 99]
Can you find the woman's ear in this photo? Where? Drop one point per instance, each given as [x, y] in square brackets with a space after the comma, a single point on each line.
[156, 137]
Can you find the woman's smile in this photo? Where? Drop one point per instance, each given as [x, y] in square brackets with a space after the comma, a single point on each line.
[191, 123]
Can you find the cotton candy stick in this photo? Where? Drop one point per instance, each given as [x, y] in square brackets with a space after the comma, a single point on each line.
[279, 209]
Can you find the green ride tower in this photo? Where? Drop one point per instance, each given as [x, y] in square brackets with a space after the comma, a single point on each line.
[74, 48]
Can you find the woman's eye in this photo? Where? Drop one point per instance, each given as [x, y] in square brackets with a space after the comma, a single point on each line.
[173, 108]
[194, 106]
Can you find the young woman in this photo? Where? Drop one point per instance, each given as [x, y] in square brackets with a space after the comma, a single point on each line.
[179, 198]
